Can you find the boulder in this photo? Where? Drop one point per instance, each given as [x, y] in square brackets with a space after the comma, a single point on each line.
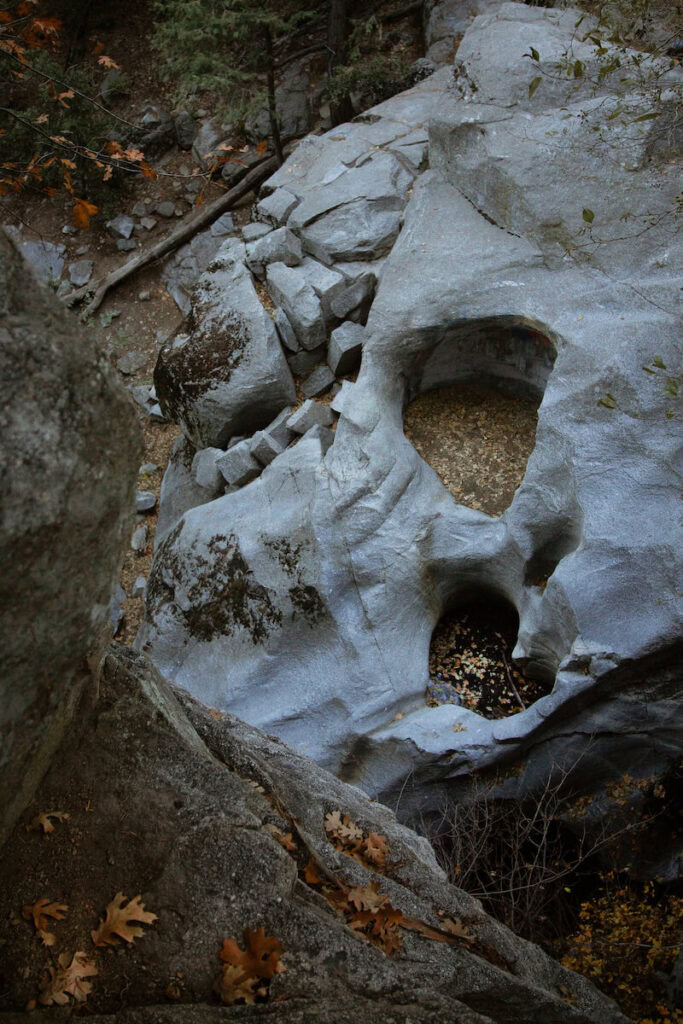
[280, 246]
[231, 354]
[69, 454]
[205, 471]
[446, 21]
[494, 280]
[293, 107]
[186, 129]
[346, 347]
[80, 272]
[216, 823]
[180, 490]
[275, 208]
[292, 292]
[182, 270]
[45, 259]
[320, 381]
[238, 466]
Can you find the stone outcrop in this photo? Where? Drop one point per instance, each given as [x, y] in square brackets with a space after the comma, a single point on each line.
[514, 267]
[168, 801]
[69, 453]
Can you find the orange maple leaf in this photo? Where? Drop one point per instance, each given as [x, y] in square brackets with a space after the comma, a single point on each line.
[107, 62]
[68, 163]
[48, 26]
[148, 171]
[117, 921]
[43, 820]
[82, 212]
[68, 980]
[134, 154]
[285, 840]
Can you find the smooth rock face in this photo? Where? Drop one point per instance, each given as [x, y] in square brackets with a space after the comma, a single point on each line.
[211, 866]
[231, 355]
[488, 282]
[69, 453]
[180, 490]
[183, 270]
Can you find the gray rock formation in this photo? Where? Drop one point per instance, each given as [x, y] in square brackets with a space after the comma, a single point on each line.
[499, 276]
[182, 270]
[194, 807]
[227, 375]
[69, 454]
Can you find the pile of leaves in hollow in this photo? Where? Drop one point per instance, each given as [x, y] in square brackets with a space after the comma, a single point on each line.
[470, 663]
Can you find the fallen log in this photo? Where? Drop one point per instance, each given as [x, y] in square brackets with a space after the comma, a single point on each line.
[182, 233]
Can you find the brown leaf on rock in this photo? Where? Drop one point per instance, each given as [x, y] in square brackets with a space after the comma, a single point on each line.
[376, 849]
[117, 921]
[261, 958]
[233, 986]
[42, 821]
[68, 980]
[40, 911]
[311, 875]
[284, 839]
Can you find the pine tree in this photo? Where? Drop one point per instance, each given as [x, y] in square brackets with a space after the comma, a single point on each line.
[226, 46]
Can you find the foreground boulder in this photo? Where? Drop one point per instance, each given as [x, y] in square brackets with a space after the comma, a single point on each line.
[305, 602]
[221, 829]
[69, 451]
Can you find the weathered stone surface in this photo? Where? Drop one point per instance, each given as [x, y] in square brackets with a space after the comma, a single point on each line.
[145, 501]
[319, 382]
[205, 471]
[121, 226]
[285, 331]
[231, 354]
[264, 447]
[205, 142]
[278, 429]
[346, 346]
[80, 272]
[179, 489]
[308, 415]
[445, 22]
[69, 454]
[275, 208]
[200, 845]
[253, 231]
[280, 246]
[290, 290]
[126, 244]
[237, 465]
[503, 297]
[183, 270]
[323, 435]
[293, 106]
[46, 260]
[302, 362]
[325, 282]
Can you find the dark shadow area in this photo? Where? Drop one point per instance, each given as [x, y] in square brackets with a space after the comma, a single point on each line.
[470, 659]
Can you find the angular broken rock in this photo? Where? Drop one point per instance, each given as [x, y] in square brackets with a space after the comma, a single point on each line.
[238, 466]
[319, 433]
[165, 208]
[325, 282]
[253, 231]
[138, 541]
[345, 349]
[276, 208]
[281, 246]
[278, 428]
[285, 330]
[320, 381]
[121, 226]
[180, 492]
[290, 290]
[80, 272]
[204, 468]
[309, 415]
[240, 378]
[264, 447]
[302, 362]
[126, 244]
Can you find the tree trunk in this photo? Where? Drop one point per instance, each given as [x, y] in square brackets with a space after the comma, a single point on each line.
[340, 109]
[272, 107]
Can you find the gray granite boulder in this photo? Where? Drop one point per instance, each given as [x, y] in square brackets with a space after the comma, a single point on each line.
[182, 270]
[45, 259]
[346, 347]
[280, 246]
[69, 454]
[488, 282]
[180, 489]
[300, 303]
[226, 374]
[207, 802]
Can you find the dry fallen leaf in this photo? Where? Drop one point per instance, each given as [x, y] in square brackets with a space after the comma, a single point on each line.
[40, 911]
[284, 839]
[43, 821]
[233, 986]
[68, 980]
[216, 714]
[246, 968]
[117, 921]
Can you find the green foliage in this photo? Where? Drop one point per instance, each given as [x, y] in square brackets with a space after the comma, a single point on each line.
[372, 75]
[218, 46]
